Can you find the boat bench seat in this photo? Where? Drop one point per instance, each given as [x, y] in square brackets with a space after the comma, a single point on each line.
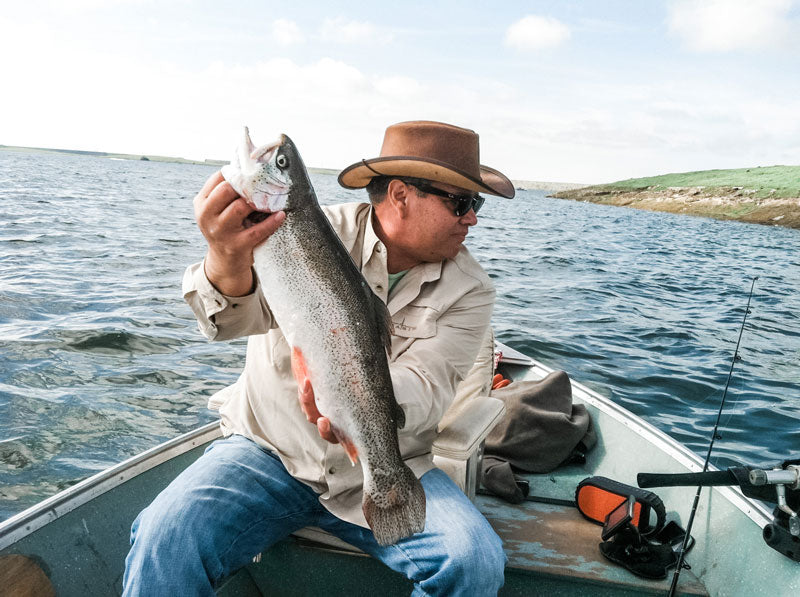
[458, 450]
[556, 544]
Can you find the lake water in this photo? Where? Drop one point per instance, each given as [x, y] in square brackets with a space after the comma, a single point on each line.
[100, 358]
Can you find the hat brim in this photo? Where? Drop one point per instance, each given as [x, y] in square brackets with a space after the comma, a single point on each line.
[491, 181]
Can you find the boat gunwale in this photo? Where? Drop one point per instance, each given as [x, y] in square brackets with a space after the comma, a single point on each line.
[33, 518]
[754, 510]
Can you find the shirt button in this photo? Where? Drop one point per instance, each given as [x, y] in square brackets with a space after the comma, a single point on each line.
[332, 470]
[378, 248]
[379, 287]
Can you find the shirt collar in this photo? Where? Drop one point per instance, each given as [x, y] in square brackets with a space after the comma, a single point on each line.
[372, 244]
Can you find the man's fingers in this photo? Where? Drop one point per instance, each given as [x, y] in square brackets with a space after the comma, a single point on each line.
[258, 233]
[219, 198]
[234, 213]
[325, 431]
[211, 183]
[201, 198]
[305, 393]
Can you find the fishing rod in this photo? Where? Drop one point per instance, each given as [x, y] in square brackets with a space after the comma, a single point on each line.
[714, 436]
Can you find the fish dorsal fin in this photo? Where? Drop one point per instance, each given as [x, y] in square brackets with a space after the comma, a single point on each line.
[383, 322]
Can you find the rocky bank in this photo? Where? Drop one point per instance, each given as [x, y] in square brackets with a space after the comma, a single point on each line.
[722, 203]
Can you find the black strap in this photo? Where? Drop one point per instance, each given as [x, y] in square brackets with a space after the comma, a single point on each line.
[648, 560]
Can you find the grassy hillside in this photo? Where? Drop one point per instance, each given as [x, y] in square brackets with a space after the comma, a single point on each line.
[771, 181]
[768, 195]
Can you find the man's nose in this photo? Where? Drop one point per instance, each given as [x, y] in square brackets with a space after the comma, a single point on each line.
[470, 218]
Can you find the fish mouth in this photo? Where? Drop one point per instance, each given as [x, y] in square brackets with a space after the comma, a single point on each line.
[255, 217]
[259, 215]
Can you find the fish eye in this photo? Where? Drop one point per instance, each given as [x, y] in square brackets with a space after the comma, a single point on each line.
[282, 161]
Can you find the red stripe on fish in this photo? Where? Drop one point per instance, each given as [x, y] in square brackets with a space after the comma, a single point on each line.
[299, 369]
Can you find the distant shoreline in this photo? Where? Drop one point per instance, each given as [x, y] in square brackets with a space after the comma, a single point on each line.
[755, 195]
[533, 185]
[136, 157]
[721, 203]
[526, 185]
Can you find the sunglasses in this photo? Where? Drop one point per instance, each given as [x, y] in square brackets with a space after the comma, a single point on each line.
[460, 204]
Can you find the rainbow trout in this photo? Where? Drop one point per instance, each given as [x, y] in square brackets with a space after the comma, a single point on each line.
[338, 329]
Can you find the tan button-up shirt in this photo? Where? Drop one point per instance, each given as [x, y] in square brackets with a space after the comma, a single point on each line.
[440, 312]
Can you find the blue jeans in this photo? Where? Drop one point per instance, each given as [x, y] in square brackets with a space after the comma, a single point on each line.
[238, 499]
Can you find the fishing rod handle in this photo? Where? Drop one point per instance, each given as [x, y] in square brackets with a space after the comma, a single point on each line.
[685, 479]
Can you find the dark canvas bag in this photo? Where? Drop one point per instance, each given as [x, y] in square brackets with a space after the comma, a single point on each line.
[541, 429]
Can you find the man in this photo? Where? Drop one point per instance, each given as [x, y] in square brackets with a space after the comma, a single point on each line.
[279, 468]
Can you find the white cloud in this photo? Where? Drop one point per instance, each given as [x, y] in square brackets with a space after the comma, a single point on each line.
[336, 111]
[534, 33]
[341, 30]
[286, 32]
[727, 25]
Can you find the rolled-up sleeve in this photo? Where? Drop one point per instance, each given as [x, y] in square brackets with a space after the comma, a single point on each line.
[425, 375]
[221, 317]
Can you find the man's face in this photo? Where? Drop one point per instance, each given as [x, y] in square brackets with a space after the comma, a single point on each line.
[433, 231]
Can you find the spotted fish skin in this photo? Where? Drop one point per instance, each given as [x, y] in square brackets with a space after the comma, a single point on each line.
[339, 331]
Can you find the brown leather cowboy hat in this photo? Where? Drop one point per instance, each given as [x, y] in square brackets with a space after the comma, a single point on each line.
[431, 150]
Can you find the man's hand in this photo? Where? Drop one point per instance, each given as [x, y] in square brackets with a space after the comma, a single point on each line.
[221, 214]
[305, 394]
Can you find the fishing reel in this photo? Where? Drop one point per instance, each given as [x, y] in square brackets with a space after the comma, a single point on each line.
[783, 533]
[780, 485]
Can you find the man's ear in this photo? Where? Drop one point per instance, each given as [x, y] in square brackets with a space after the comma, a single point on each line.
[397, 194]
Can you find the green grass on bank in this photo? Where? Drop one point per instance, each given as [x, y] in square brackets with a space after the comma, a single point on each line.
[771, 181]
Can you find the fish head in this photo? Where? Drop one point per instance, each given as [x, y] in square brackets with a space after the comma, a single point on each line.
[288, 160]
[264, 176]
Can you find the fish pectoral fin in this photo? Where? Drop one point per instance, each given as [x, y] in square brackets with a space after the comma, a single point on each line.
[399, 415]
[347, 444]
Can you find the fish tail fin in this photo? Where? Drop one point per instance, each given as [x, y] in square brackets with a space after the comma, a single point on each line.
[397, 513]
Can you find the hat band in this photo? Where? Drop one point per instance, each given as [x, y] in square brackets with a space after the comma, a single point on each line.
[364, 161]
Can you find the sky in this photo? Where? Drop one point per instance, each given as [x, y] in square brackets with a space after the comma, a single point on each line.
[584, 91]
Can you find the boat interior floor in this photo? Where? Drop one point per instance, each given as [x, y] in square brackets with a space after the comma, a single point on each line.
[551, 549]
[553, 542]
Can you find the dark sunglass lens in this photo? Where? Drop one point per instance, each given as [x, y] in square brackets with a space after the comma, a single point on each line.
[467, 203]
[462, 204]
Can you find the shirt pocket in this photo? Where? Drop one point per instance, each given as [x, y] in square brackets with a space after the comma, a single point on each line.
[416, 320]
